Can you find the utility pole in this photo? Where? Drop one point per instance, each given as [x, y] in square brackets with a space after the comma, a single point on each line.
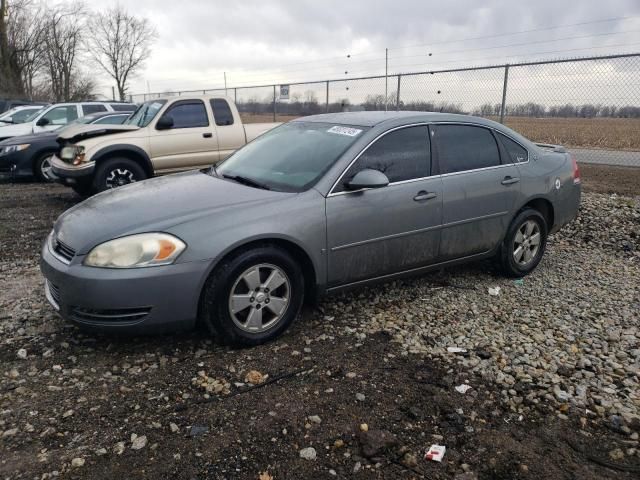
[113, 92]
[386, 79]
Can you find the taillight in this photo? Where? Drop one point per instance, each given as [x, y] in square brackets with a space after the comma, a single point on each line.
[576, 171]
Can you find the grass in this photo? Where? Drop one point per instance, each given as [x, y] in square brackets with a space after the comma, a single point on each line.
[599, 133]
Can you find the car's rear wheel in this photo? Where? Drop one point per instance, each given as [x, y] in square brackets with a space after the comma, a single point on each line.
[117, 172]
[252, 297]
[524, 244]
[42, 168]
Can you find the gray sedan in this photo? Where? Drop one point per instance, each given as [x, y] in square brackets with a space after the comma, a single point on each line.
[317, 205]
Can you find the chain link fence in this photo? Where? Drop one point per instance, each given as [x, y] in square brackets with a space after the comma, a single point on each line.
[590, 105]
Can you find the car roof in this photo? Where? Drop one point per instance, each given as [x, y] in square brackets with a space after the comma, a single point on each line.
[373, 118]
[108, 114]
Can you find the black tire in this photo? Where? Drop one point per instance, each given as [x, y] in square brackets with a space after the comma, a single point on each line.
[215, 311]
[38, 171]
[115, 172]
[510, 267]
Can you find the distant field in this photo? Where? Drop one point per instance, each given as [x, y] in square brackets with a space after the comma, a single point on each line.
[600, 133]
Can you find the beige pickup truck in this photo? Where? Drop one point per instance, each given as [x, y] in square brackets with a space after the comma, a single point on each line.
[161, 136]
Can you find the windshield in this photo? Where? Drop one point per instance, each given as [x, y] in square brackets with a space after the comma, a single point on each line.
[290, 158]
[18, 115]
[145, 113]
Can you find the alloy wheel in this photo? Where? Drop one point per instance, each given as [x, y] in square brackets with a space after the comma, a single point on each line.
[259, 298]
[119, 177]
[526, 243]
[46, 169]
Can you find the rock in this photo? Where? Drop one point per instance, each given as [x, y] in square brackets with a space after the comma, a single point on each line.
[357, 467]
[197, 430]
[138, 442]
[339, 443]
[410, 460]
[254, 377]
[616, 454]
[376, 442]
[360, 397]
[308, 453]
[22, 354]
[315, 419]
[174, 428]
[351, 375]
[101, 451]
[465, 476]
[77, 462]
[13, 374]
[119, 448]
[9, 433]
[364, 427]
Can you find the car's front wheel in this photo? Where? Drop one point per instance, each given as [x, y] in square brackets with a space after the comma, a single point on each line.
[252, 297]
[524, 244]
[117, 172]
[42, 168]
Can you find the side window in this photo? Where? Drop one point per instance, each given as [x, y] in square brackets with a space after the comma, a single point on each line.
[403, 154]
[111, 120]
[221, 112]
[465, 147]
[93, 108]
[189, 115]
[61, 115]
[517, 153]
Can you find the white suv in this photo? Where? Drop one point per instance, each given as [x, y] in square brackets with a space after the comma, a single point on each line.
[58, 115]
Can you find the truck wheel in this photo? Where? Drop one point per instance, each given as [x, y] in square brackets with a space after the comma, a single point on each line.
[42, 168]
[524, 244]
[117, 172]
[252, 297]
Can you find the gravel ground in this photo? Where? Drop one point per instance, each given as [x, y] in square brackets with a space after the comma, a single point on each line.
[360, 387]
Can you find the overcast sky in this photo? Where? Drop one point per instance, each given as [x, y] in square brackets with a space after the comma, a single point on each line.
[278, 41]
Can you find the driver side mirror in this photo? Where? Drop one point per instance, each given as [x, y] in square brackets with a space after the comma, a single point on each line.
[368, 178]
[165, 122]
[43, 122]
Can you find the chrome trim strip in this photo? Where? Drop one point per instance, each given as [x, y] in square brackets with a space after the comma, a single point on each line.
[49, 296]
[421, 230]
[404, 272]
[332, 193]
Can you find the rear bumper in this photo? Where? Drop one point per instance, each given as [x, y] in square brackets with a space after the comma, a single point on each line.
[137, 301]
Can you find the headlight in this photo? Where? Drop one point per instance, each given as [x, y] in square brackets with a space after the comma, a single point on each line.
[13, 148]
[142, 250]
[72, 154]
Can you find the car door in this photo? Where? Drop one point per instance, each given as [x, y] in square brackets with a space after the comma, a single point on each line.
[479, 191]
[376, 232]
[189, 143]
[230, 137]
[57, 117]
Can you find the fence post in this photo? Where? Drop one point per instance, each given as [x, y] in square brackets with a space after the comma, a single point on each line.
[504, 92]
[274, 103]
[327, 103]
[398, 94]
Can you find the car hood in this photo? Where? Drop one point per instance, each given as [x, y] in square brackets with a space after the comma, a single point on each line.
[13, 130]
[75, 133]
[154, 205]
[34, 137]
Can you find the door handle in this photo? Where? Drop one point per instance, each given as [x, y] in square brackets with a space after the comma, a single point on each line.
[422, 195]
[207, 135]
[509, 180]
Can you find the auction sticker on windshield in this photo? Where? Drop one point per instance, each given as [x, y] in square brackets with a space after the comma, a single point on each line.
[350, 132]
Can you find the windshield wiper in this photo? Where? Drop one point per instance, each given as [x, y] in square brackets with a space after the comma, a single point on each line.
[246, 181]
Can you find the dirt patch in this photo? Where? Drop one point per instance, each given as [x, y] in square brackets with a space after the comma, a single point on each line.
[609, 179]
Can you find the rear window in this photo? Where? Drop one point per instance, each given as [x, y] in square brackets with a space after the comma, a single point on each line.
[123, 107]
[517, 153]
[221, 112]
[465, 147]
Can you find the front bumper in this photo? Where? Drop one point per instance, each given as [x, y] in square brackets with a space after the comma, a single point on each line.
[17, 164]
[138, 300]
[71, 174]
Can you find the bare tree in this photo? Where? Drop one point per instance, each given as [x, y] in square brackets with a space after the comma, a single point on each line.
[120, 43]
[10, 81]
[63, 40]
